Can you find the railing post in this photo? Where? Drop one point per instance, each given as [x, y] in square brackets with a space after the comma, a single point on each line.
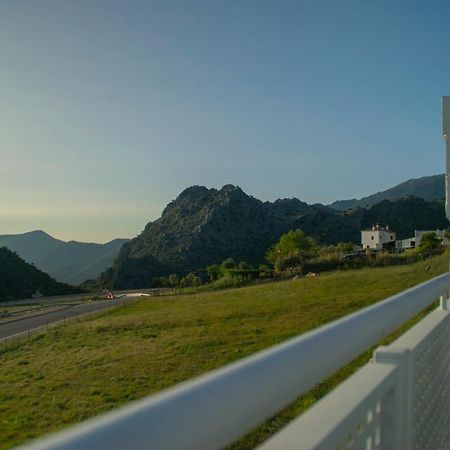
[445, 134]
[444, 302]
[396, 409]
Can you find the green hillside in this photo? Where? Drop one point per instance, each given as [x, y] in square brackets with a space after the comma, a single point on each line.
[68, 262]
[88, 367]
[19, 279]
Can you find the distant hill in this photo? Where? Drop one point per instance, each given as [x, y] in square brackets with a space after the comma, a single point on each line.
[405, 215]
[428, 188]
[70, 262]
[19, 279]
[204, 226]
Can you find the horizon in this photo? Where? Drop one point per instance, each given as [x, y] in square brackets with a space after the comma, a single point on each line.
[109, 110]
[66, 239]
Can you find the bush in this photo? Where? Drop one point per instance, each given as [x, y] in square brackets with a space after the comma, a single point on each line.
[160, 282]
[264, 271]
[243, 265]
[191, 279]
[228, 264]
[215, 272]
[429, 243]
[332, 261]
[229, 280]
[290, 252]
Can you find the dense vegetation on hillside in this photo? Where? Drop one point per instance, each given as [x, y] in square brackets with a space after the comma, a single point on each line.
[98, 363]
[19, 279]
[427, 188]
[206, 226]
[406, 215]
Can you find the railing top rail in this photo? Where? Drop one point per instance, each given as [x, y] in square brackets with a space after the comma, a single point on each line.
[215, 409]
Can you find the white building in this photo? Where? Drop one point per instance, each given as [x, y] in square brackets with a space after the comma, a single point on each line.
[405, 244]
[378, 238]
[414, 242]
[419, 233]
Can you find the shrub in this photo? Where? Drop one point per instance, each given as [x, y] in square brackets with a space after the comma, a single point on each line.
[290, 252]
[215, 272]
[229, 280]
[228, 264]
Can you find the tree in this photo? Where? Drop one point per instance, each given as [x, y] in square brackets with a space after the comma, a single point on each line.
[243, 265]
[215, 272]
[159, 282]
[190, 280]
[429, 242]
[196, 281]
[291, 250]
[228, 264]
[173, 279]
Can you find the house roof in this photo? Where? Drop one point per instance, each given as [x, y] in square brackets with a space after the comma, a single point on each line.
[380, 229]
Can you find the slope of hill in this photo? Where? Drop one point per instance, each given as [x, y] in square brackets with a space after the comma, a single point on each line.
[205, 226]
[70, 262]
[428, 188]
[152, 345]
[19, 279]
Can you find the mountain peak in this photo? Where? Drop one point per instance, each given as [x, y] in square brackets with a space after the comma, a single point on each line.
[194, 190]
[230, 188]
[39, 233]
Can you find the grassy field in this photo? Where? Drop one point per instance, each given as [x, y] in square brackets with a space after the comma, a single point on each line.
[90, 366]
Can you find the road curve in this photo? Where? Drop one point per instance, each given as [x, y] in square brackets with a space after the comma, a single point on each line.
[8, 330]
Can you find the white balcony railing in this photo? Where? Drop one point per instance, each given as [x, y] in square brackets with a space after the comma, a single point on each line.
[399, 401]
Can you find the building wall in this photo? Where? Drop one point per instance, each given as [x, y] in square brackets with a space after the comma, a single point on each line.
[381, 237]
[387, 236]
[406, 243]
[366, 239]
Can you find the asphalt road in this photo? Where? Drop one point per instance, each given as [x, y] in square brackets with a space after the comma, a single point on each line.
[14, 327]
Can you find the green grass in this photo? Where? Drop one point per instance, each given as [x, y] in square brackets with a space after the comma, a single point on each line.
[83, 368]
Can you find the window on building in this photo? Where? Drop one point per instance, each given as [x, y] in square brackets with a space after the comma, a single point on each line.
[371, 237]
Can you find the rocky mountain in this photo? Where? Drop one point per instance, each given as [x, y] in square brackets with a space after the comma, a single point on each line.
[428, 188]
[70, 262]
[201, 227]
[19, 279]
[205, 226]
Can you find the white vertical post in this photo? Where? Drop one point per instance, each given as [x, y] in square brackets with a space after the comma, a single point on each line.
[397, 427]
[445, 133]
[444, 302]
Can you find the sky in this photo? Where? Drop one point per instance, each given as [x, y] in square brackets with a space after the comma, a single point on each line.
[109, 109]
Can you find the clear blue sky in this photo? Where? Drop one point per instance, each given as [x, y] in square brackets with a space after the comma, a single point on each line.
[108, 109]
